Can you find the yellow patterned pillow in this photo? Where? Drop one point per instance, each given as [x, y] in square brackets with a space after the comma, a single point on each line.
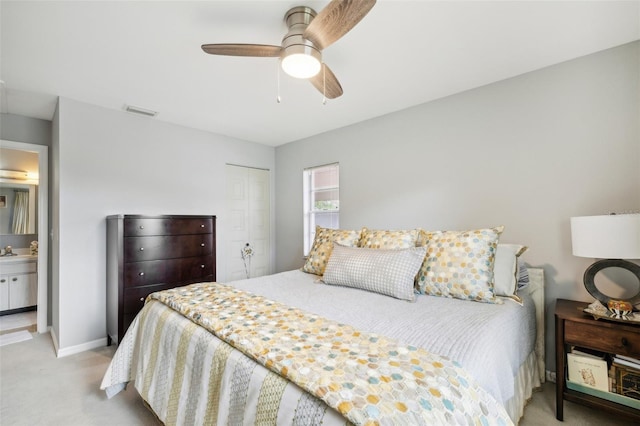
[459, 264]
[323, 246]
[389, 240]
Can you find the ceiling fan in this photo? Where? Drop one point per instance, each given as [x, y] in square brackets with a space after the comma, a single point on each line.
[309, 33]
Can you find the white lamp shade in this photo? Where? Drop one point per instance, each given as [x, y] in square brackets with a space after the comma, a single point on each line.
[607, 236]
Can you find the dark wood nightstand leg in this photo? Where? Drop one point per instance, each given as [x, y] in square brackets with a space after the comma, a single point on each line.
[560, 368]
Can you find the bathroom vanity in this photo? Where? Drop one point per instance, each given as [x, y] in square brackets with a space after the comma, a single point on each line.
[18, 283]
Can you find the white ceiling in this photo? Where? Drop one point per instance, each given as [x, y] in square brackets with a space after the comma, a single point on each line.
[403, 53]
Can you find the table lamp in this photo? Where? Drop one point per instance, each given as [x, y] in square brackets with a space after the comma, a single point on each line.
[612, 239]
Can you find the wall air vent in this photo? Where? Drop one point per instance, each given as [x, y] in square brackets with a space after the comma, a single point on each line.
[141, 111]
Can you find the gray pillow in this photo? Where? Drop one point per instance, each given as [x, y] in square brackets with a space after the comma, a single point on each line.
[388, 272]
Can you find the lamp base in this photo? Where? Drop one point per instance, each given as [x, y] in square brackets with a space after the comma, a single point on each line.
[592, 270]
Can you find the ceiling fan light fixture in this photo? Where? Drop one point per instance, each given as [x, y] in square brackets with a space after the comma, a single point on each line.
[301, 61]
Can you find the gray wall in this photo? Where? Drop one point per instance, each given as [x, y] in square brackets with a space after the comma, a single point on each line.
[18, 128]
[113, 162]
[527, 153]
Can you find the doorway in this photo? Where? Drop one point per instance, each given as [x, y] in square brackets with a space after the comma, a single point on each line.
[42, 226]
[248, 203]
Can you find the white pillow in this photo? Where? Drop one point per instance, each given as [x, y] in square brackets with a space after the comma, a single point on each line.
[506, 271]
[388, 272]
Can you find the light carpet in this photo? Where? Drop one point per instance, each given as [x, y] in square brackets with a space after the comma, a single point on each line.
[36, 388]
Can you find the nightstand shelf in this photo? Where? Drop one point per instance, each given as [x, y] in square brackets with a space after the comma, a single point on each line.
[574, 327]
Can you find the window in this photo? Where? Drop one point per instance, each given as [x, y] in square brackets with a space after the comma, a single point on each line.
[321, 200]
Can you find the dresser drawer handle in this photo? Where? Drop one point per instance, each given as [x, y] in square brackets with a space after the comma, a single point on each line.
[202, 245]
[141, 274]
[625, 342]
[201, 226]
[3, 281]
[202, 266]
[141, 226]
[141, 248]
[14, 279]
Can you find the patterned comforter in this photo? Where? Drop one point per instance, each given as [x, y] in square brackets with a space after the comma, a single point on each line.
[237, 374]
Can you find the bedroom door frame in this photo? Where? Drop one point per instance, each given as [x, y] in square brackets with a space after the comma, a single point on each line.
[249, 221]
[43, 225]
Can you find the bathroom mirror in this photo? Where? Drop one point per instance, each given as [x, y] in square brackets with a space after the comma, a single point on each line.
[18, 208]
[18, 192]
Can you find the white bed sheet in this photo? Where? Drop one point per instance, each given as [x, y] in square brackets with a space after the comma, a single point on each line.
[490, 341]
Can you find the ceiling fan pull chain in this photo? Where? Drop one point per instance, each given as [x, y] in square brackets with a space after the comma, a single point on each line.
[324, 85]
[278, 78]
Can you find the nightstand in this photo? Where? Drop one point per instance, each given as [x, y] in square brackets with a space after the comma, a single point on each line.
[574, 327]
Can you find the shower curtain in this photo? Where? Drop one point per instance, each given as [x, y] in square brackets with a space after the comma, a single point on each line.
[21, 212]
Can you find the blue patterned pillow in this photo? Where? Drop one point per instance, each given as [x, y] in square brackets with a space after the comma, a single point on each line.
[459, 264]
[323, 245]
[388, 272]
[390, 240]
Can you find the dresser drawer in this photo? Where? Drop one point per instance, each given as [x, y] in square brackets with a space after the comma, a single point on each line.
[137, 227]
[192, 269]
[612, 340]
[138, 274]
[134, 297]
[137, 249]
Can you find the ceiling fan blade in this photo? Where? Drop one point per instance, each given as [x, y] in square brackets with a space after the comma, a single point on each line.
[335, 20]
[327, 83]
[239, 49]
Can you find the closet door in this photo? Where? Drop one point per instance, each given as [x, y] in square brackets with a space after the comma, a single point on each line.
[248, 214]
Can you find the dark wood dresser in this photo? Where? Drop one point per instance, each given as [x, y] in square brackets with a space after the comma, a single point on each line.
[151, 253]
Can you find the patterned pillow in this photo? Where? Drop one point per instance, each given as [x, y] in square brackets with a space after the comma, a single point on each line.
[390, 240]
[459, 264]
[506, 270]
[388, 272]
[323, 245]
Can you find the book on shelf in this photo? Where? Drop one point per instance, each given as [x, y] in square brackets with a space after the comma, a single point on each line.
[591, 353]
[625, 380]
[627, 361]
[629, 358]
[588, 371]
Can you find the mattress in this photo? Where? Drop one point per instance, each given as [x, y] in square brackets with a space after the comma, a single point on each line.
[490, 341]
[494, 343]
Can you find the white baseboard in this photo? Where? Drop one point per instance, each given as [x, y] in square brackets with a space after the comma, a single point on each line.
[551, 376]
[98, 343]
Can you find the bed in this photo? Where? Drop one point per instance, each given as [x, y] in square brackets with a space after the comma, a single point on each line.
[191, 369]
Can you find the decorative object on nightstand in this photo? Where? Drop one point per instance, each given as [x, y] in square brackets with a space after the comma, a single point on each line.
[612, 239]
